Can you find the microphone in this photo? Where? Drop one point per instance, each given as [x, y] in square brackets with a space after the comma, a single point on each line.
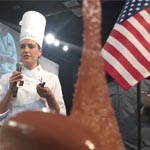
[15, 88]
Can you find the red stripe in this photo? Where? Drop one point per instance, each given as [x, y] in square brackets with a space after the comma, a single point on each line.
[131, 48]
[116, 76]
[134, 31]
[148, 10]
[142, 21]
[114, 52]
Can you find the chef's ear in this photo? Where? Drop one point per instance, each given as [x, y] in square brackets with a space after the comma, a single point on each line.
[40, 54]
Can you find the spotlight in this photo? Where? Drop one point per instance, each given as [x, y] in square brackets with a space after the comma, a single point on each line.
[65, 48]
[49, 38]
[56, 43]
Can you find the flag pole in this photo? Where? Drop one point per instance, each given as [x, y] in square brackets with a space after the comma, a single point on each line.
[139, 116]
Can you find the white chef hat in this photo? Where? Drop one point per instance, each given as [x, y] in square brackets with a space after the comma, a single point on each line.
[33, 27]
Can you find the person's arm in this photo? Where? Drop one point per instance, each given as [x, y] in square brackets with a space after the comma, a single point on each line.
[7, 98]
[46, 93]
[5, 102]
[57, 91]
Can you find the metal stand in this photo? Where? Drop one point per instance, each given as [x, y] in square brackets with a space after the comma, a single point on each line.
[139, 115]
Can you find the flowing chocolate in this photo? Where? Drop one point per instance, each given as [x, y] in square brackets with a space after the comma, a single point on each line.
[45, 131]
[92, 104]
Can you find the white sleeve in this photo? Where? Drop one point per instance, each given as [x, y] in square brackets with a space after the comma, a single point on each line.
[57, 91]
[3, 91]
[4, 85]
[59, 97]
[3, 116]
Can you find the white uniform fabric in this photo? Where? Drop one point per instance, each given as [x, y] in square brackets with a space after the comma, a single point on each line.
[27, 96]
[8, 54]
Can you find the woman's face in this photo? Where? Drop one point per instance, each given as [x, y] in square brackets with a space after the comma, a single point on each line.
[29, 53]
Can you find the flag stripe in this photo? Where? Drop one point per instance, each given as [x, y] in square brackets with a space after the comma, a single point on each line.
[119, 78]
[146, 15]
[130, 49]
[133, 39]
[140, 23]
[123, 61]
[117, 68]
[138, 34]
[143, 18]
[124, 51]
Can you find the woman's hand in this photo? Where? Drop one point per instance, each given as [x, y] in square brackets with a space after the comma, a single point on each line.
[46, 93]
[16, 76]
[147, 100]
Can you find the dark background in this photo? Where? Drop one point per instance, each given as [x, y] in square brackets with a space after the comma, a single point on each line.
[66, 22]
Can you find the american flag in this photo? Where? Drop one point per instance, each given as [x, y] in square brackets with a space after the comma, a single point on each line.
[126, 52]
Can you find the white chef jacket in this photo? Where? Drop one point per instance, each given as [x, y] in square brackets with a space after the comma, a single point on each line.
[27, 96]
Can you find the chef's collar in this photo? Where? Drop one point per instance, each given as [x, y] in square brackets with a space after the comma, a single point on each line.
[38, 68]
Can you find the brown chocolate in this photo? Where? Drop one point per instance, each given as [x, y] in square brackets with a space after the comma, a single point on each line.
[35, 130]
[92, 104]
